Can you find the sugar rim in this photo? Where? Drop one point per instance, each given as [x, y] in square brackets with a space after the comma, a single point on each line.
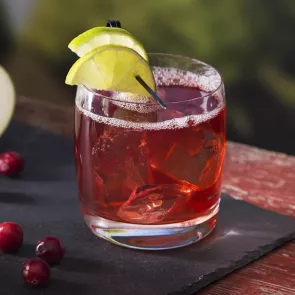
[175, 123]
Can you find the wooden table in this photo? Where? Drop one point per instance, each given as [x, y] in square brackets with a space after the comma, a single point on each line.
[263, 178]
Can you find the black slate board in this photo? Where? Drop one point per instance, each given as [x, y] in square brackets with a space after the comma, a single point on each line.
[44, 202]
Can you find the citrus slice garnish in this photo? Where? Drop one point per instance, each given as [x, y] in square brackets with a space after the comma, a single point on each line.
[100, 36]
[114, 68]
[7, 99]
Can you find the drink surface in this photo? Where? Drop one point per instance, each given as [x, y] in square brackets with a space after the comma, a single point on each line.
[138, 163]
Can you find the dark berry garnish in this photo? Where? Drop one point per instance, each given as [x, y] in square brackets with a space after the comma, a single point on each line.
[50, 250]
[11, 164]
[11, 237]
[36, 272]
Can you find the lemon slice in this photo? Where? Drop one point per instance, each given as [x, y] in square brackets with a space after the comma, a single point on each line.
[7, 100]
[112, 67]
[100, 36]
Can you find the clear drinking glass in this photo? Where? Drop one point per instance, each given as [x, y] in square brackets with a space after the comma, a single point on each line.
[148, 177]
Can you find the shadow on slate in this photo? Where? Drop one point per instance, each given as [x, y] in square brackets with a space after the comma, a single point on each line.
[44, 201]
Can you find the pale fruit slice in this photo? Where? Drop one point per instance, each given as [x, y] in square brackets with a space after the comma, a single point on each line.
[7, 100]
[100, 36]
[112, 68]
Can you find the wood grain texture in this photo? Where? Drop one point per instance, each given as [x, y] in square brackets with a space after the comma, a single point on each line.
[263, 178]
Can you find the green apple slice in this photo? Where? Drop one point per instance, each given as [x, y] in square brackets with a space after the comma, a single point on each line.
[7, 99]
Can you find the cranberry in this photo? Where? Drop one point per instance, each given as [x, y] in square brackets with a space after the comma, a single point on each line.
[11, 237]
[36, 272]
[50, 250]
[11, 163]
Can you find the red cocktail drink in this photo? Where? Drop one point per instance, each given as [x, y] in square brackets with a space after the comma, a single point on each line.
[150, 177]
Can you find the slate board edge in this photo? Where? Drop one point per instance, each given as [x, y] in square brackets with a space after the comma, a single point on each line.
[222, 272]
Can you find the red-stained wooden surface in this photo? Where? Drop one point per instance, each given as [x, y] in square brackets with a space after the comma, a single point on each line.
[266, 179]
[263, 178]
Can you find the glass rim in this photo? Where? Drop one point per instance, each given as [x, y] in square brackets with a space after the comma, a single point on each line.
[153, 102]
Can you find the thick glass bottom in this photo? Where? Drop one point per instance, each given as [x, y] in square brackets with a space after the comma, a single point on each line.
[153, 237]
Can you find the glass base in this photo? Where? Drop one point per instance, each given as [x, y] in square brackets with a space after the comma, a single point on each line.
[153, 237]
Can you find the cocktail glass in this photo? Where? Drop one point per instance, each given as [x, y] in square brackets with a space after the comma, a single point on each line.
[150, 178]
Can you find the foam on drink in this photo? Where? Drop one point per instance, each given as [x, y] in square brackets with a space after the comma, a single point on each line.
[208, 82]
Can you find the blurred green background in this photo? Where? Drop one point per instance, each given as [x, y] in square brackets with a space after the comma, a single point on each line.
[251, 42]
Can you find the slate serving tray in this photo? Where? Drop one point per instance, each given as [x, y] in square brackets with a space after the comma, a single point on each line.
[44, 201]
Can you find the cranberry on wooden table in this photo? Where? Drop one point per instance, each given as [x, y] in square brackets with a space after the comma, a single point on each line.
[11, 237]
[11, 163]
[36, 272]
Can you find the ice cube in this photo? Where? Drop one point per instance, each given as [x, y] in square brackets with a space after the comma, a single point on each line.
[214, 155]
[161, 145]
[135, 175]
[96, 200]
[193, 141]
[99, 185]
[105, 157]
[120, 158]
[176, 154]
[151, 204]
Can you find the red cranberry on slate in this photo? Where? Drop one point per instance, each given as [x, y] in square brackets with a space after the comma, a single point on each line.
[11, 237]
[11, 163]
[50, 250]
[36, 272]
